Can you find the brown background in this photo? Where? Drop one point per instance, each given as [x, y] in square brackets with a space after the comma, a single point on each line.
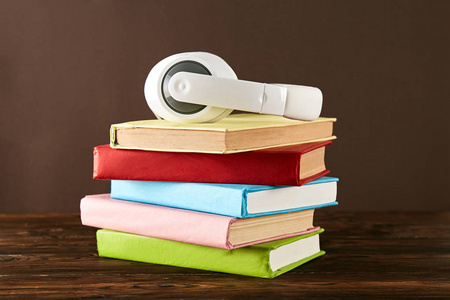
[69, 69]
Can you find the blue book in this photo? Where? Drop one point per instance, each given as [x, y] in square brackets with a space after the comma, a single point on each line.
[235, 200]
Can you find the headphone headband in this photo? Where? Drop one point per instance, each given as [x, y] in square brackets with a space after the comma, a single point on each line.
[202, 87]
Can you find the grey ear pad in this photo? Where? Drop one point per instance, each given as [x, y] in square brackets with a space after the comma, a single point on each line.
[183, 66]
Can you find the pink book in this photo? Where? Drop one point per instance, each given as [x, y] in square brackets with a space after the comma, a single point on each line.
[189, 226]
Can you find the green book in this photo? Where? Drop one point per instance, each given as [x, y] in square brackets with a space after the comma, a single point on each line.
[265, 260]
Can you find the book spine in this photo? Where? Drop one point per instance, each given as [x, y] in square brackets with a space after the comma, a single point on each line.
[157, 221]
[256, 167]
[249, 261]
[202, 197]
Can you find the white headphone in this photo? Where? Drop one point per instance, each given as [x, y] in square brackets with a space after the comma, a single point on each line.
[196, 87]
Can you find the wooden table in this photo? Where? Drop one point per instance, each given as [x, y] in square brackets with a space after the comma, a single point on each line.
[369, 255]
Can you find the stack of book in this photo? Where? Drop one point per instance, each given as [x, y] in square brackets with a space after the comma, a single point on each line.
[236, 196]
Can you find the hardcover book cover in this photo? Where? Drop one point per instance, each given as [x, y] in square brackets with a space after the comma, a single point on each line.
[235, 133]
[191, 226]
[291, 165]
[235, 200]
[266, 260]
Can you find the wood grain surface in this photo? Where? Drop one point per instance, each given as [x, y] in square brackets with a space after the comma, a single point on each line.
[369, 255]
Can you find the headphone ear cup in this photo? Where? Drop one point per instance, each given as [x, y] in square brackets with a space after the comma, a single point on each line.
[225, 113]
[159, 99]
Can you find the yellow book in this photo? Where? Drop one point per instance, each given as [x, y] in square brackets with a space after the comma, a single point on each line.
[235, 133]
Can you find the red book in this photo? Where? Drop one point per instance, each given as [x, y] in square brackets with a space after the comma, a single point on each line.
[290, 165]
